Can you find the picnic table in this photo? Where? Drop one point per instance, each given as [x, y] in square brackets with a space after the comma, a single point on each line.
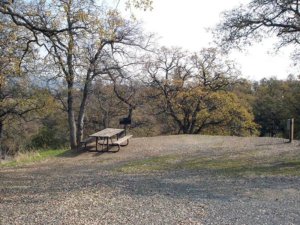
[107, 134]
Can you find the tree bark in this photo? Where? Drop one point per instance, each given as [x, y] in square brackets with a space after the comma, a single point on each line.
[70, 81]
[1, 147]
[71, 118]
[82, 109]
[81, 115]
[3, 153]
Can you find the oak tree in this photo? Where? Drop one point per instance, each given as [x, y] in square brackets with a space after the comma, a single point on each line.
[191, 89]
[81, 39]
[19, 99]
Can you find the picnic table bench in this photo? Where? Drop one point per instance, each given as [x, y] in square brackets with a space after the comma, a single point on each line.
[122, 140]
[107, 136]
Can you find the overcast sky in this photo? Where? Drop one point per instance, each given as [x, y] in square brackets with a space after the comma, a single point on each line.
[184, 23]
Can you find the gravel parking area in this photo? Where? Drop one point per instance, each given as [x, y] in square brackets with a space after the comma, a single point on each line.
[159, 180]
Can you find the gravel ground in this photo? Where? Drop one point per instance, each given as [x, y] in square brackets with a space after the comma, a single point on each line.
[88, 189]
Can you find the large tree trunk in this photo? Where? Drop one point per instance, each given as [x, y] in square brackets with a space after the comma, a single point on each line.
[70, 81]
[194, 118]
[2, 149]
[81, 115]
[71, 118]
[80, 125]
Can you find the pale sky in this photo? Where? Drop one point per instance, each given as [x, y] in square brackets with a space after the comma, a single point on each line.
[184, 23]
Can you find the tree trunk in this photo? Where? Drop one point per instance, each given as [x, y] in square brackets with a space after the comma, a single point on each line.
[71, 118]
[70, 82]
[185, 130]
[81, 115]
[3, 153]
[80, 125]
[194, 118]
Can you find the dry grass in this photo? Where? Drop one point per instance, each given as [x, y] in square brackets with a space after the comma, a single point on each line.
[231, 156]
[241, 164]
[30, 157]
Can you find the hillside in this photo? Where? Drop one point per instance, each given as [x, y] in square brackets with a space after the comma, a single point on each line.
[185, 179]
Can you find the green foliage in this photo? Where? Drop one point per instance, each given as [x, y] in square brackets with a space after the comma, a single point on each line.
[20, 100]
[53, 132]
[190, 90]
[226, 115]
[272, 101]
[271, 106]
[48, 138]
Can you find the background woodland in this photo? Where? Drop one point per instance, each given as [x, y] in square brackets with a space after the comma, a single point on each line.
[71, 68]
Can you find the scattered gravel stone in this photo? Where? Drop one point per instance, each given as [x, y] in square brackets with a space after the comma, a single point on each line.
[87, 189]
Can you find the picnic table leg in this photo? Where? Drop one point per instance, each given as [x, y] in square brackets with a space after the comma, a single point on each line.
[107, 145]
[96, 143]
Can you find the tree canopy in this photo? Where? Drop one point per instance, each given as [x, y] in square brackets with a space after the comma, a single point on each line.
[81, 40]
[260, 19]
[191, 90]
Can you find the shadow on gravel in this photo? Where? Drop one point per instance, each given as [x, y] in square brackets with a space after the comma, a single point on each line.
[70, 154]
[195, 187]
[91, 149]
[189, 185]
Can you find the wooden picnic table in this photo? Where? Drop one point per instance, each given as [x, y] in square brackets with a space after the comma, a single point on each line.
[107, 134]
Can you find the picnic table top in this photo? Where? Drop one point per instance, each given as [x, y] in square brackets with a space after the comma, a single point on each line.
[107, 132]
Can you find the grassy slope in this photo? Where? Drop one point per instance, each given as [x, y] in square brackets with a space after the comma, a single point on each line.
[33, 157]
[230, 162]
[243, 164]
